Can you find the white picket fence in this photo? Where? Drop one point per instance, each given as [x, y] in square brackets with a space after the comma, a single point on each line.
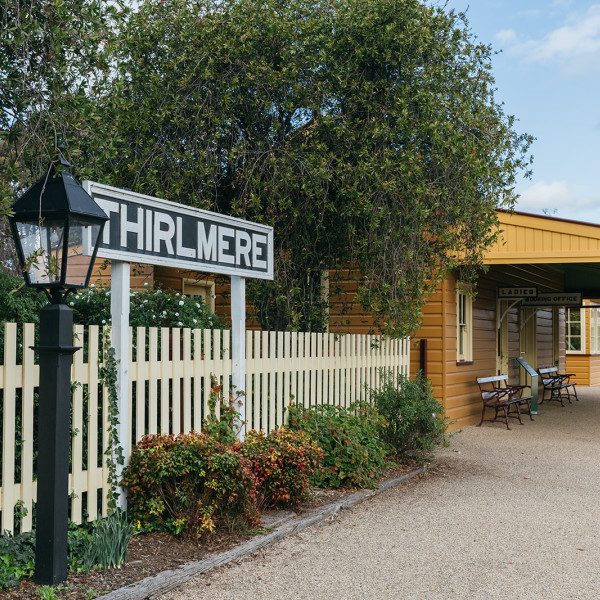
[170, 373]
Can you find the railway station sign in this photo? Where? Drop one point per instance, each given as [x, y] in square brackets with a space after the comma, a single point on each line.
[144, 229]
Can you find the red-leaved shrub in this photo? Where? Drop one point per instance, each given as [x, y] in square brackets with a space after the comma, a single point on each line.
[282, 462]
[189, 484]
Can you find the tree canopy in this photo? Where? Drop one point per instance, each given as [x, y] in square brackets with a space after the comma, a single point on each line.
[365, 131]
[54, 56]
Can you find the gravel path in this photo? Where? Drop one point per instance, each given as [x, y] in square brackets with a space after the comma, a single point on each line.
[502, 514]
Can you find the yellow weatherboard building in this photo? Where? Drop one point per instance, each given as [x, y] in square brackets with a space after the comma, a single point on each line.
[468, 337]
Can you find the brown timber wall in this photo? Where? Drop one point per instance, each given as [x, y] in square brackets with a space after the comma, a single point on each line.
[579, 364]
[346, 315]
[586, 368]
[140, 274]
[432, 330]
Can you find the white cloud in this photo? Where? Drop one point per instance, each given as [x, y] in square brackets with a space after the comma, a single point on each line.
[560, 199]
[562, 3]
[530, 12]
[579, 37]
[542, 195]
[506, 36]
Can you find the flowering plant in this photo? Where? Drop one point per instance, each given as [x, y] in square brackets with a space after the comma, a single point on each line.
[150, 307]
[223, 422]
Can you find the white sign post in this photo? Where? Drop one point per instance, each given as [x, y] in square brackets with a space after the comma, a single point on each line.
[148, 230]
[119, 311]
[238, 345]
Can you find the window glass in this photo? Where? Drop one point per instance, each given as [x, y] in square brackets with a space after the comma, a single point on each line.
[594, 330]
[574, 326]
[464, 326]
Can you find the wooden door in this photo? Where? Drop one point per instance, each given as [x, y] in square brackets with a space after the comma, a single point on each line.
[528, 340]
[502, 309]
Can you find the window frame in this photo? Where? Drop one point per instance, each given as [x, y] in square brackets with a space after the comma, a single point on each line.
[594, 327]
[582, 330]
[204, 289]
[464, 323]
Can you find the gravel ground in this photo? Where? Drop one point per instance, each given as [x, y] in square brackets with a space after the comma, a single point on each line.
[502, 514]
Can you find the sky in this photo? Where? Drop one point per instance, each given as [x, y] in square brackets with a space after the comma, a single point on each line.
[548, 76]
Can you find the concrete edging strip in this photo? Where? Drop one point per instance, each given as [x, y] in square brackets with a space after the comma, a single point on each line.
[157, 585]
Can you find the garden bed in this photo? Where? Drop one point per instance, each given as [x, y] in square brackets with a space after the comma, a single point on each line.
[153, 553]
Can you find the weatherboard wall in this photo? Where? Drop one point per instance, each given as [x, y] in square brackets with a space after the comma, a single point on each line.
[455, 382]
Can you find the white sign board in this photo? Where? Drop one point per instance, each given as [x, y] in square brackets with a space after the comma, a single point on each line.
[517, 292]
[144, 229]
[554, 299]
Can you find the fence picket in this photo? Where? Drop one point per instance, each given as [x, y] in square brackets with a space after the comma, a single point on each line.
[197, 367]
[281, 357]
[30, 380]
[225, 363]
[153, 378]
[176, 378]
[139, 370]
[166, 373]
[186, 385]
[8, 426]
[94, 472]
[206, 369]
[78, 484]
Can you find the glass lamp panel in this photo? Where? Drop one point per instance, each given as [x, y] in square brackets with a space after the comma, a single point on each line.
[42, 250]
[82, 241]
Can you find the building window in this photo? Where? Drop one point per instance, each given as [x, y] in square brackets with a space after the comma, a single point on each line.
[594, 330]
[204, 289]
[464, 323]
[575, 327]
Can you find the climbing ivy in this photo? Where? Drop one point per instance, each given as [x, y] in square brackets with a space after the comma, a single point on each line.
[114, 451]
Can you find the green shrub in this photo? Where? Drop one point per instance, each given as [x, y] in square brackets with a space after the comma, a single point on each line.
[150, 307]
[189, 484]
[17, 556]
[354, 453]
[282, 462]
[46, 592]
[18, 304]
[415, 419]
[224, 425]
[101, 544]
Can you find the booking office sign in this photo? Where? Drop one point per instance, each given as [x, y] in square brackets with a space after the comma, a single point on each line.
[144, 229]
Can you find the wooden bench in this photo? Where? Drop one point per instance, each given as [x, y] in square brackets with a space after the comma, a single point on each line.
[505, 399]
[557, 385]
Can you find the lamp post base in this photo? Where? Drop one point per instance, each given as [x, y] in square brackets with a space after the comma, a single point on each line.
[56, 357]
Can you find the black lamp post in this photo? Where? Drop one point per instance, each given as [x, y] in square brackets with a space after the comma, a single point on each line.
[56, 226]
